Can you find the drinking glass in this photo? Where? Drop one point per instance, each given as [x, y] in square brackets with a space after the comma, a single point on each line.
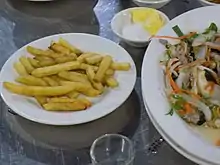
[112, 149]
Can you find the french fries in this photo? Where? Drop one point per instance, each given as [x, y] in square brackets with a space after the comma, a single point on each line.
[105, 64]
[110, 72]
[35, 51]
[121, 66]
[42, 58]
[73, 94]
[94, 59]
[90, 73]
[84, 101]
[59, 49]
[51, 81]
[20, 69]
[79, 87]
[60, 76]
[51, 70]
[65, 59]
[47, 63]
[111, 82]
[36, 90]
[34, 62]
[31, 80]
[66, 44]
[72, 76]
[74, 106]
[83, 57]
[29, 68]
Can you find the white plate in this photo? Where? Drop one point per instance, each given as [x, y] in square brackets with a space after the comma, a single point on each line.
[153, 85]
[105, 104]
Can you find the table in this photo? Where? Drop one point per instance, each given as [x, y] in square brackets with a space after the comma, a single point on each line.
[23, 142]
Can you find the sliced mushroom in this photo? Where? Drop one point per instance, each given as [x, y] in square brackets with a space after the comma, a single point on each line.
[202, 83]
[213, 45]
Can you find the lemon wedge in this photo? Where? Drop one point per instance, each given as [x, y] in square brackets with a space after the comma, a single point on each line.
[149, 18]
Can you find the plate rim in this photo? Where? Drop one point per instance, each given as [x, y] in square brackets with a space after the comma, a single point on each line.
[20, 113]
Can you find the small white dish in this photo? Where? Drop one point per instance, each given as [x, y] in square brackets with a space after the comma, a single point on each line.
[123, 19]
[103, 105]
[156, 4]
[207, 3]
[153, 88]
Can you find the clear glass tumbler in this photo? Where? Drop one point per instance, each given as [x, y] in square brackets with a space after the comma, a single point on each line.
[112, 149]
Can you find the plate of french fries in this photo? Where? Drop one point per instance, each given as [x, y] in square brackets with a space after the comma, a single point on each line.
[67, 79]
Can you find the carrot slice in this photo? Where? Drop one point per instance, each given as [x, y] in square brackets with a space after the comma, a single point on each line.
[188, 108]
[192, 94]
[172, 82]
[210, 86]
[177, 38]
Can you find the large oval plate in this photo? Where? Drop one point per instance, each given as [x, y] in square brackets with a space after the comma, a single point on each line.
[153, 85]
[105, 104]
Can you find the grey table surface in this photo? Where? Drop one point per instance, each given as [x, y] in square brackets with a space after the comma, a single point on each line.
[23, 142]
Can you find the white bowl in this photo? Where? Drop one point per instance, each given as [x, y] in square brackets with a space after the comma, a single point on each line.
[207, 3]
[156, 4]
[102, 105]
[123, 19]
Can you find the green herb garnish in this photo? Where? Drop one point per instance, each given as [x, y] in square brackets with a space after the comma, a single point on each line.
[178, 31]
[212, 27]
[171, 112]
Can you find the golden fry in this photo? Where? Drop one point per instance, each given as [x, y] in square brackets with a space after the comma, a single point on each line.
[65, 59]
[94, 59]
[34, 62]
[41, 100]
[42, 58]
[51, 70]
[57, 79]
[98, 86]
[84, 66]
[47, 63]
[59, 49]
[61, 100]
[110, 72]
[37, 91]
[31, 80]
[74, 106]
[73, 55]
[90, 73]
[36, 51]
[79, 74]
[91, 92]
[82, 88]
[73, 94]
[53, 54]
[29, 68]
[50, 81]
[111, 82]
[87, 102]
[83, 56]
[78, 86]
[72, 48]
[73, 76]
[20, 69]
[123, 66]
[105, 64]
